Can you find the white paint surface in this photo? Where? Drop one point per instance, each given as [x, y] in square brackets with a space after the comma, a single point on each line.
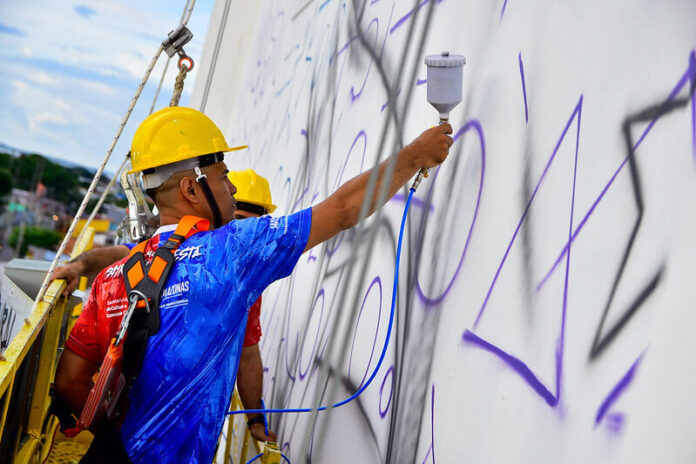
[283, 71]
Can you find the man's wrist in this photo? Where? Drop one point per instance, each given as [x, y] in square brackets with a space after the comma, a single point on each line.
[410, 154]
[256, 419]
[79, 264]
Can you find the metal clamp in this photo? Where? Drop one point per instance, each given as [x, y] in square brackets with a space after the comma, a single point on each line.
[199, 173]
[133, 299]
[176, 39]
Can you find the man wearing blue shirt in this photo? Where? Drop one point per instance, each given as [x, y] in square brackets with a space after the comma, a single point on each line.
[177, 404]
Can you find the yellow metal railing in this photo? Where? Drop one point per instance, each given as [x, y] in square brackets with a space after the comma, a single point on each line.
[27, 368]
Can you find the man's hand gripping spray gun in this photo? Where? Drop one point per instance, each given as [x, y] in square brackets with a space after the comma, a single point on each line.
[445, 78]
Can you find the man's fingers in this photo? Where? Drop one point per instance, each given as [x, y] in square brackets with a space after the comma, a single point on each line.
[450, 141]
[446, 128]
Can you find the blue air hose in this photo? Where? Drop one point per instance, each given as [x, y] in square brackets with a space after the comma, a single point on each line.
[386, 341]
[261, 454]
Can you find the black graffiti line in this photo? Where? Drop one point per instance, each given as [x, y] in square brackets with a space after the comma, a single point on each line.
[651, 113]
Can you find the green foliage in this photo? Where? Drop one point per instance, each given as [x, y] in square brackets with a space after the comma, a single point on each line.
[6, 182]
[6, 160]
[37, 236]
[61, 183]
[121, 202]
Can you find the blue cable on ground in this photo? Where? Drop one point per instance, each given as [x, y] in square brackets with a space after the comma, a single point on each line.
[386, 341]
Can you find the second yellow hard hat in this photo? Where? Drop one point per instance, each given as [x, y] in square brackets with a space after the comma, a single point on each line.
[252, 188]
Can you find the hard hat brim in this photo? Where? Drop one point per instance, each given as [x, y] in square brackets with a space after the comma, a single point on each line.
[185, 157]
[270, 207]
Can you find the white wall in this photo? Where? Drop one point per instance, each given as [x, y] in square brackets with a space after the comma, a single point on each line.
[485, 364]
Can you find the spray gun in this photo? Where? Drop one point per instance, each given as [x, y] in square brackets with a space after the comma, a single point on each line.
[445, 77]
[139, 214]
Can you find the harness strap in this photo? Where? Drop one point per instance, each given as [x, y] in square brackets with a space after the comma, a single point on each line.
[148, 280]
[201, 179]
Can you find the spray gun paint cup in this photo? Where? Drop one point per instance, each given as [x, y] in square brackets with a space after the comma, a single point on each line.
[445, 78]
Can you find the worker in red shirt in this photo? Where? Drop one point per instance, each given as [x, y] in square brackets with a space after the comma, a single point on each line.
[253, 200]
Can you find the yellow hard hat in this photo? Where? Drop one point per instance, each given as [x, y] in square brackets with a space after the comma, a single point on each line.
[252, 188]
[175, 134]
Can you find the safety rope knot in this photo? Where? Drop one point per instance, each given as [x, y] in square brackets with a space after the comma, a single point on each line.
[185, 65]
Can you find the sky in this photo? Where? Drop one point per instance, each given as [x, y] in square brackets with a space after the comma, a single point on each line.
[69, 69]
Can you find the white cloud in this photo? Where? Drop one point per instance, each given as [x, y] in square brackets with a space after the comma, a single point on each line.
[71, 78]
[18, 85]
[41, 78]
[45, 117]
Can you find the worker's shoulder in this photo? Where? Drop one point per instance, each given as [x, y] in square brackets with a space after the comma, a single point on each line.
[111, 272]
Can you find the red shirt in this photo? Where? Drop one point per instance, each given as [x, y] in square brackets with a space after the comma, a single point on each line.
[253, 328]
[94, 329]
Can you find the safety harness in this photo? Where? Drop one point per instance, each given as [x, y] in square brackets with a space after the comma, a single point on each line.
[124, 358]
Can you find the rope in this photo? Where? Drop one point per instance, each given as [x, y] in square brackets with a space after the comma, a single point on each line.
[159, 86]
[100, 170]
[216, 52]
[106, 192]
[179, 85]
[103, 196]
[95, 181]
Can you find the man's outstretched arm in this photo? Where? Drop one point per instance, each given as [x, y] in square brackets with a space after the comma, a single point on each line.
[88, 264]
[341, 210]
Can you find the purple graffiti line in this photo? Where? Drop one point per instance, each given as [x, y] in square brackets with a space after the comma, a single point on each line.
[692, 72]
[476, 126]
[516, 364]
[384, 107]
[361, 135]
[316, 338]
[421, 81]
[354, 96]
[406, 17]
[618, 390]
[378, 282]
[431, 448]
[326, 2]
[675, 91]
[502, 11]
[575, 114]
[524, 88]
[417, 202]
[389, 374]
[339, 177]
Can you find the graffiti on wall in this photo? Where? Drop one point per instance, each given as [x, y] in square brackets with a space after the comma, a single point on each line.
[533, 258]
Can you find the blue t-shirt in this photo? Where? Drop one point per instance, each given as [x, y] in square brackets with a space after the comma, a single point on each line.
[179, 401]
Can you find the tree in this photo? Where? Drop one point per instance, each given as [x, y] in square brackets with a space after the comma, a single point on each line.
[6, 182]
[37, 236]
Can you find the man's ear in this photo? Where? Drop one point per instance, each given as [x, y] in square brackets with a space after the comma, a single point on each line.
[188, 189]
